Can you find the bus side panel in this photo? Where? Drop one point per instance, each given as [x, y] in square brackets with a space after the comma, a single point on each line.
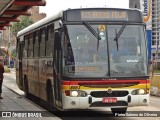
[42, 79]
[32, 81]
[17, 74]
[24, 69]
[48, 75]
[35, 77]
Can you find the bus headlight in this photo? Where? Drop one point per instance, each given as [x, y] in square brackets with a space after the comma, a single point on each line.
[138, 92]
[141, 91]
[75, 93]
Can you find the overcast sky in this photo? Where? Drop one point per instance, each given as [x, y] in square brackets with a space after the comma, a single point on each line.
[56, 5]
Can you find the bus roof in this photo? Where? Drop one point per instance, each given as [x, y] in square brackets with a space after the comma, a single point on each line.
[59, 15]
[40, 23]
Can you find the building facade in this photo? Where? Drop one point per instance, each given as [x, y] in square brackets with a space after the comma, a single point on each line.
[4, 35]
[156, 29]
[146, 6]
[8, 40]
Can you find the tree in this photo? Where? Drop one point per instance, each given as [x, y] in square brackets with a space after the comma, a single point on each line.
[24, 22]
[14, 53]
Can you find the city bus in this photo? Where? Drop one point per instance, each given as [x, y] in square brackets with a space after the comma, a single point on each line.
[85, 58]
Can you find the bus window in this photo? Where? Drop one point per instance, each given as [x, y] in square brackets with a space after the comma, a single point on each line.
[17, 48]
[36, 44]
[30, 45]
[25, 46]
[42, 42]
[49, 42]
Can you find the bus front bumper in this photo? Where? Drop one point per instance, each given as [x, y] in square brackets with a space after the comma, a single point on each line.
[89, 101]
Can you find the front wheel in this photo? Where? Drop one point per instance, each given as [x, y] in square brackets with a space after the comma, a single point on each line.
[118, 110]
[50, 98]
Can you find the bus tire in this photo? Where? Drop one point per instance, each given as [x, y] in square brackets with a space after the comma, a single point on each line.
[119, 110]
[26, 87]
[50, 99]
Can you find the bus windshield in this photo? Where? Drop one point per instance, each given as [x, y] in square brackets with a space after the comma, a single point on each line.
[83, 59]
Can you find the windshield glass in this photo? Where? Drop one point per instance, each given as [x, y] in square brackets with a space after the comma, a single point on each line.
[129, 57]
[83, 59]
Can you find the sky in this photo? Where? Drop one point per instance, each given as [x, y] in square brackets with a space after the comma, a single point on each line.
[57, 5]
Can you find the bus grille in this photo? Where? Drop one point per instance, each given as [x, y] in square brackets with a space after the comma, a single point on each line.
[100, 104]
[99, 94]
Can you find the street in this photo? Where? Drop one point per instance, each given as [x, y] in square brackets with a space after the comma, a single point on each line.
[147, 111]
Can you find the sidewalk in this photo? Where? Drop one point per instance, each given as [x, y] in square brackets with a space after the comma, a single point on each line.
[11, 84]
[14, 106]
[155, 85]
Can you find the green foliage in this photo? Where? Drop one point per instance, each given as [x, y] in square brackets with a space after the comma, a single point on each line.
[24, 22]
[14, 53]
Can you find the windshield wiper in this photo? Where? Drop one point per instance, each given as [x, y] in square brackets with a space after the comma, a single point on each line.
[119, 33]
[90, 28]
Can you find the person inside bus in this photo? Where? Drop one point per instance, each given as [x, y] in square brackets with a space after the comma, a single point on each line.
[120, 50]
[81, 54]
[93, 53]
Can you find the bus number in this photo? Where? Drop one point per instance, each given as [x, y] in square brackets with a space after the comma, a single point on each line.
[74, 87]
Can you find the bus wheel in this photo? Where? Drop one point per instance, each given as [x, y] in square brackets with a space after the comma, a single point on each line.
[26, 88]
[118, 110]
[50, 99]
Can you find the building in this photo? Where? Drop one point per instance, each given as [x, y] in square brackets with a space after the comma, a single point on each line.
[36, 16]
[156, 28]
[146, 7]
[4, 35]
[8, 41]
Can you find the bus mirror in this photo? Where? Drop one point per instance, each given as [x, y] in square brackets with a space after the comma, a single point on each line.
[62, 39]
[61, 24]
[57, 40]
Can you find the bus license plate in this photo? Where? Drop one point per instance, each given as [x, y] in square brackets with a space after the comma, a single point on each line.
[109, 100]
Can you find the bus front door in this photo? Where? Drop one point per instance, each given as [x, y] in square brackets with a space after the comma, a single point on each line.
[20, 65]
[57, 70]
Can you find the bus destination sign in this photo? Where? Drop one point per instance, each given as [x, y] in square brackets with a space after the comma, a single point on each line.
[104, 15]
[111, 15]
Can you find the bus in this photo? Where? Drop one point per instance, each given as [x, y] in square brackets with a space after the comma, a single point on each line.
[85, 58]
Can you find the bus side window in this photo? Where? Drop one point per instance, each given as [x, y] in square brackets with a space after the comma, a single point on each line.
[49, 41]
[25, 46]
[17, 48]
[42, 42]
[30, 45]
[36, 44]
